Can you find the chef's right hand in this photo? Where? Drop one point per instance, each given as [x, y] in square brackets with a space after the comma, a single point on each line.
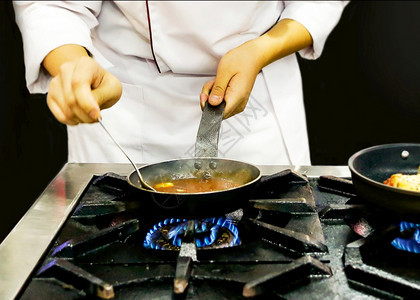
[80, 89]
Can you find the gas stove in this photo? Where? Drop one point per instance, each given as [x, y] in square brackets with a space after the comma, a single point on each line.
[303, 234]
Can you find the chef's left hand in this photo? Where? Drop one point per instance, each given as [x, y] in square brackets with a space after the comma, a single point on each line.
[239, 67]
[234, 81]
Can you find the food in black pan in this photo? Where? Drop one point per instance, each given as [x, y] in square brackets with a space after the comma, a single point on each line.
[403, 181]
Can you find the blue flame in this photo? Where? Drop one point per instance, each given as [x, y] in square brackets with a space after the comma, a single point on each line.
[148, 241]
[46, 266]
[209, 228]
[413, 243]
[61, 247]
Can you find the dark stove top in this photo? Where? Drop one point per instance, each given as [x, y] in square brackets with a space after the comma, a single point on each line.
[298, 238]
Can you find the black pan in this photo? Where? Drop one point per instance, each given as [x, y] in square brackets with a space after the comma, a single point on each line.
[372, 166]
[205, 164]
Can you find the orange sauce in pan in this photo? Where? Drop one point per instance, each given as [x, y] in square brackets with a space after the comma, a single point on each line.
[195, 185]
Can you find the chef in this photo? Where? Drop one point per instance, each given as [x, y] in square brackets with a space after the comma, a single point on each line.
[147, 68]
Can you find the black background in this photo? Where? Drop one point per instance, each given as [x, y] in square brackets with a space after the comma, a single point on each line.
[363, 91]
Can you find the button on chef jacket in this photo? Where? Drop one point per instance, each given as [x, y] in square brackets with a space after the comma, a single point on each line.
[163, 52]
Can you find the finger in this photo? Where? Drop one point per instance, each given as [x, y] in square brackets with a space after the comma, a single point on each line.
[69, 103]
[80, 115]
[65, 76]
[85, 75]
[58, 113]
[236, 96]
[205, 91]
[87, 102]
[56, 99]
[221, 82]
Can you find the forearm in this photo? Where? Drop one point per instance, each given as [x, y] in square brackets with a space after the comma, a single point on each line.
[53, 61]
[286, 37]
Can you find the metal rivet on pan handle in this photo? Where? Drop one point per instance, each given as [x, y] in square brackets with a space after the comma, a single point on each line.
[198, 165]
[405, 154]
[213, 165]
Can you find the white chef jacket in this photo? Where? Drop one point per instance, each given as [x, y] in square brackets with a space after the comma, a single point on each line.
[163, 53]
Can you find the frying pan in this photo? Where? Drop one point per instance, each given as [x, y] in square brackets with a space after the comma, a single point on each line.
[370, 167]
[205, 164]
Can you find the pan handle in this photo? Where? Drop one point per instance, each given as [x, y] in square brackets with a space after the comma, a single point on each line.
[209, 129]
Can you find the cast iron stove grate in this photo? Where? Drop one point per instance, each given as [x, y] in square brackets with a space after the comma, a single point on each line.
[100, 253]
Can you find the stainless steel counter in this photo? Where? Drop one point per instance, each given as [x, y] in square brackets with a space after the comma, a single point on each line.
[30, 239]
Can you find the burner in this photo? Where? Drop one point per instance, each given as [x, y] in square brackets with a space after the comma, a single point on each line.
[210, 233]
[412, 243]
